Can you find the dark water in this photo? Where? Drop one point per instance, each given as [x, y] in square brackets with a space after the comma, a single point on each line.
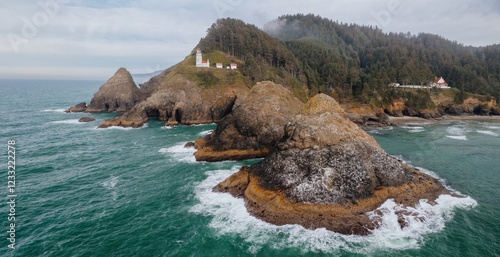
[84, 191]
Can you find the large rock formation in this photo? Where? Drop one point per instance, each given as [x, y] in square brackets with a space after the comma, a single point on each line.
[118, 94]
[253, 127]
[327, 172]
[187, 95]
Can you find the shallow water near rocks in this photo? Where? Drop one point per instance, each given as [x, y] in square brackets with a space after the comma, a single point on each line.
[84, 191]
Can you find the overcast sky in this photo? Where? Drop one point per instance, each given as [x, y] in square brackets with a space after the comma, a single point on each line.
[77, 39]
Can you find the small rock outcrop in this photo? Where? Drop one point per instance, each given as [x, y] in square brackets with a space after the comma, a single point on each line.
[253, 127]
[189, 145]
[327, 172]
[86, 119]
[118, 94]
[365, 115]
[81, 107]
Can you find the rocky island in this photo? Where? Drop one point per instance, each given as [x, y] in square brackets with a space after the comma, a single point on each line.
[327, 172]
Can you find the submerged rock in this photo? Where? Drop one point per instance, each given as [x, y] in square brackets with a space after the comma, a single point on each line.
[86, 119]
[253, 127]
[118, 94]
[327, 172]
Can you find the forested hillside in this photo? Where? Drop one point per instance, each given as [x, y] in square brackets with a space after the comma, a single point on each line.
[352, 58]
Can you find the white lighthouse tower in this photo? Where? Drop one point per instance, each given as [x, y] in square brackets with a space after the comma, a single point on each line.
[199, 60]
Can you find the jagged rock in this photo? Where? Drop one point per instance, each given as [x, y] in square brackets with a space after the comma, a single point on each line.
[327, 172]
[429, 114]
[86, 119]
[396, 108]
[253, 127]
[495, 110]
[366, 115]
[118, 122]
[81, 107]
[118, 94]
[189, 145]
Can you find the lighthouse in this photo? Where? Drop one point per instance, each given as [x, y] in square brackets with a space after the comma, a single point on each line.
[199, 60]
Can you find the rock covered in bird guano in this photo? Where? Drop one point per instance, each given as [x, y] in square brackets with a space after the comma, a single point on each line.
[253, 127]
[81, 107]
[118, 94]
[327, 172]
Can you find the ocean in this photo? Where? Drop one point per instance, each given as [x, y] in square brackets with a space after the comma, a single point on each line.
[83, 191]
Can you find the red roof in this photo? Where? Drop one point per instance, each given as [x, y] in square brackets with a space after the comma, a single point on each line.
[440, 81]
[234, 64]
[205, 61]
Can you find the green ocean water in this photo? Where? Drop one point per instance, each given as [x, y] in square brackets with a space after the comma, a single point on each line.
[83, 191]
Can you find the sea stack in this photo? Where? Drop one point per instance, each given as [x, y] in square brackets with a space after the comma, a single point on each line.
[118, 94]
[327, 173]
[253, 127]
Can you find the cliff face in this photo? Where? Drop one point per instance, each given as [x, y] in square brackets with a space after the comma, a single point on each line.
[253, 127]
[118, 94]
[327, 172]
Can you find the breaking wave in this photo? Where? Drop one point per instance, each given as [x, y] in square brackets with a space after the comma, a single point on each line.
[180, 153]
[230, 217]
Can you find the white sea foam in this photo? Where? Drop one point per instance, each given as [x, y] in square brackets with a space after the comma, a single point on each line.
[204, 133]
[180, 153]
[487, 132]
[457, 132]
[493, 127]
[463, 138]
[378, 131]
[230, 217]
[72, 122]
[54, 110]
[414, 129]
[110, 183]
[374, 132]
[167, 127]
[121, 128]
[205, 124]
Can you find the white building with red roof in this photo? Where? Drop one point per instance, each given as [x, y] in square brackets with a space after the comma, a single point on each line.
[439, 83]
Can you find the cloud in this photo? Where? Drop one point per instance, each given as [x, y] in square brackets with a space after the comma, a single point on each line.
[94, 36]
